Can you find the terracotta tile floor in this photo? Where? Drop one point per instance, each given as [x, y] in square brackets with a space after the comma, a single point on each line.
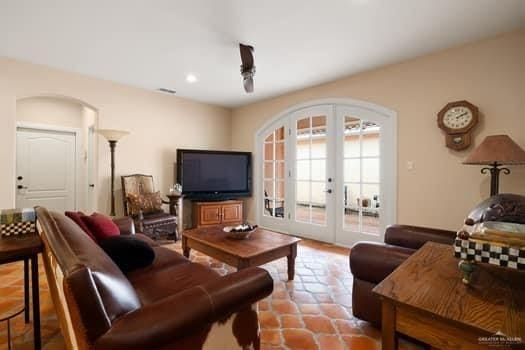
[312, 312]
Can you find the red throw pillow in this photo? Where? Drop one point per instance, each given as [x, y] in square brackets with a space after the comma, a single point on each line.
[101, 226]
[77, 218]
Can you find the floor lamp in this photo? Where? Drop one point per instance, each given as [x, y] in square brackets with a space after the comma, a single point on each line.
[112, 136]
[495, 151]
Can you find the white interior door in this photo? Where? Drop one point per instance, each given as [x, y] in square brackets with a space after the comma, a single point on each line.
[45, 169]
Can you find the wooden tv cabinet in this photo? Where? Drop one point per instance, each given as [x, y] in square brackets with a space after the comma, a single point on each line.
[217, 213]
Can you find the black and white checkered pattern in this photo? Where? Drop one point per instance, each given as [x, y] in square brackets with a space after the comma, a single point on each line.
[17, 228]
[511, 257]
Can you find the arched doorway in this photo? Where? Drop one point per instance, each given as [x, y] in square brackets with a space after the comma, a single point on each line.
[56, 153]
[327, 170]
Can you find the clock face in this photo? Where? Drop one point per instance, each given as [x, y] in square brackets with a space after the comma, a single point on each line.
[457, 117]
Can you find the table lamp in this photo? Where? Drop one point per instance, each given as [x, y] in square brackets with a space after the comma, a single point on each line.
[495, 151]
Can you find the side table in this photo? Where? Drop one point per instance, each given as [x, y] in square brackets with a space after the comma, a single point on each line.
[18, 245]
[176, 205]
[425, 299]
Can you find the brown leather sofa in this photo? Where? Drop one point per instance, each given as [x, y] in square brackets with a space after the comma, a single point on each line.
[172, 304]
[371, 262]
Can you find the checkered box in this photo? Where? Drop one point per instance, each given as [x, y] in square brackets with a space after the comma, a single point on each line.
[494, 254]
[17, 221]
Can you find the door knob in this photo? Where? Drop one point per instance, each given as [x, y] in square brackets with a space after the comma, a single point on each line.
[19, 178]
[328, 191]
[20, 187]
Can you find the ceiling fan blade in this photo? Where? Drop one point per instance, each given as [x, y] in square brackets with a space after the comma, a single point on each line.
[248, 84]
[247, 56]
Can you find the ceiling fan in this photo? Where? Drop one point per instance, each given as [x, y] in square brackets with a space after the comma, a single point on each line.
[247, 66]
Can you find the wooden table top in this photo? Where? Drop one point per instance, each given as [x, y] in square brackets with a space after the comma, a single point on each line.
[260, 242]
[430, 281]
[21, 246]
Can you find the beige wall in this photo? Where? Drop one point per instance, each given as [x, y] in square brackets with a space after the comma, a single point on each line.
[49, 110]
[440, 190]
[159, 124]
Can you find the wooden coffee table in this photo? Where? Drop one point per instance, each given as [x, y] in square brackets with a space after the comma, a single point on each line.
[425, 299]
[260, 248]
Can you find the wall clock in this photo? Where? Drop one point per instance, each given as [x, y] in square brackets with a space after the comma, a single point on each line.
[457, 120]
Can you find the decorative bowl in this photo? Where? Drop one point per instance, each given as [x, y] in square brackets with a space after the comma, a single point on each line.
[240, 232]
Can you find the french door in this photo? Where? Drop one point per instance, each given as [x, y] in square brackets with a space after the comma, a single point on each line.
[327, 173]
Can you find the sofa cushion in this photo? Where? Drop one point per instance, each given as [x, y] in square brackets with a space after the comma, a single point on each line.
[76, 216]
[101, 226]
[128, 252]
[170, 280]
[106, 275]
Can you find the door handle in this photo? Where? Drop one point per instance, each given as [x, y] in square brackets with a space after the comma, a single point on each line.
[91, 185]
[328, 191]
[20, 187]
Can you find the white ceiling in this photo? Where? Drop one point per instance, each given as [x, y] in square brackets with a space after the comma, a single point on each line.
[298, 43]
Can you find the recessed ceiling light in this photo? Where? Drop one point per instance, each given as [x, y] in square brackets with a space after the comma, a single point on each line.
[190, 78]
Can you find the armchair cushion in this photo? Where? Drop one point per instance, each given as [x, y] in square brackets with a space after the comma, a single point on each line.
[372, 262]
[128, 253]
[145, 203]
[101, 226]
[414, 236]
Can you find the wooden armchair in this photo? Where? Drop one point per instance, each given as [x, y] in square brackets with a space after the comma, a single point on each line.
[154, 223]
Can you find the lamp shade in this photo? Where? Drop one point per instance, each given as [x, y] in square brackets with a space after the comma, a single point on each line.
[112, 135]
[500, 149]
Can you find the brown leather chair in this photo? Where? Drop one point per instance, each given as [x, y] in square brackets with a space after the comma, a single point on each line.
[371, 262]
[171, 304]
[154, 224]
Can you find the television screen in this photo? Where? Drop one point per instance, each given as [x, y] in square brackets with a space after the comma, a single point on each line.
[214, 173]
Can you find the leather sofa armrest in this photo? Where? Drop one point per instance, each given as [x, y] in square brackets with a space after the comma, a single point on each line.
[126, 225]
[162, 323]
[372, 262]
[415, 236]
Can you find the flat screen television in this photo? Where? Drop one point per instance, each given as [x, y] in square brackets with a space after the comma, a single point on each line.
[214, 175]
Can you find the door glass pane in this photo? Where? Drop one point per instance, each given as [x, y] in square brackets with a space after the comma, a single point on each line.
[302, 149]
[370, 169]
[279, 151]
[318, 193]
[279, 190]
[371, 144]
[351, 206]
[302, 193]
[302, 212]
[273, 173]
[370, 209]
[268, 189]
[361, 175]
[319, 147]
[268, 151]
[352, 146]
[279, 170]
[318, 172]
[268, 170]
[279, 134]
[303, 126]
[303, 170]
[352, 169]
